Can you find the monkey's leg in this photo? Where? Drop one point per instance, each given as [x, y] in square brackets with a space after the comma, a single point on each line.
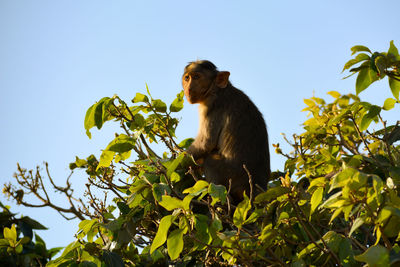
[219, 170]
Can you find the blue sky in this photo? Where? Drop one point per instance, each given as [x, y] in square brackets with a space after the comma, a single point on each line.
[58, 57]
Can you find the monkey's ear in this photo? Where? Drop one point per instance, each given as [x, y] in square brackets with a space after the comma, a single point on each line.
[222, 79]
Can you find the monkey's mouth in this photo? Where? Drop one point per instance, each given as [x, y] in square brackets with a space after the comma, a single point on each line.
[190, 99]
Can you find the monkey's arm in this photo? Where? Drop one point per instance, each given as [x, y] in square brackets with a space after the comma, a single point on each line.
[207, 138]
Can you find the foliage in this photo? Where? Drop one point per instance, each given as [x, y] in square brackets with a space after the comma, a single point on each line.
[336, 203]
[16, 251]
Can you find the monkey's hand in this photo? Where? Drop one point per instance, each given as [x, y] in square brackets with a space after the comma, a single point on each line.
[200, 161]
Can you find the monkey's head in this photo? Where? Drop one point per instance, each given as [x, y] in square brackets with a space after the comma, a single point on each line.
[200, 79]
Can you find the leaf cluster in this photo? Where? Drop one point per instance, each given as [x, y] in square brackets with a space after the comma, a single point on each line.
[335, 203]
[22, 251]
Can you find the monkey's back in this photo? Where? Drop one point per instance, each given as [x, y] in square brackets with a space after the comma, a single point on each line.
[243, 138]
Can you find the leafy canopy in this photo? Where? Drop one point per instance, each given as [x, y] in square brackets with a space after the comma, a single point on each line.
[336, 202]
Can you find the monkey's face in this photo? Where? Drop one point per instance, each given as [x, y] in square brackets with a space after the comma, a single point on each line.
[196, 86]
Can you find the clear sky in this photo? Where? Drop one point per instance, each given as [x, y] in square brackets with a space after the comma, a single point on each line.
[58, 57]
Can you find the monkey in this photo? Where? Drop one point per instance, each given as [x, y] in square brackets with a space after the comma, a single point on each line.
[232, 131]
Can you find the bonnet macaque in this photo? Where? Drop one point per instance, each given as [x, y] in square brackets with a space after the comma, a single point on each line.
[232, 131]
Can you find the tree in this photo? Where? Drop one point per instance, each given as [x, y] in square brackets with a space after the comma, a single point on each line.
[16, 251]
[336, 202]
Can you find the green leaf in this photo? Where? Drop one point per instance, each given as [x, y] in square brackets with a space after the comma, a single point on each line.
[171, 203]
[123, 207]
[18, 249]
[175, 177]
[138, 122]
[177, 104]
[394, 87]
[186, 143]
[162, 232]
[334, 94]
[369, 117]
[357, 59]
[121, 144]
[375, 256]
[4, 243]
[33, 223]
[140, 98]
[357, 223]
[217, 193]
[80, 162]
[393, 51]
[159, 190]
[380, 64]
[197, 189]
[309, 102]
[364, 79]
[98, 113]
[89, 120]
[271, 194]
[202, 230]
[359, 48]
[72, 246]
[10, 233]
[346, 254]
[240, 214]
[175, 243]
[394, 136]
[159, 105]
[86, 225]
[389, 103]
[24, 240]
[316, 199]
[112, 259]
[172, 167]
[105, 159]
[186, 202]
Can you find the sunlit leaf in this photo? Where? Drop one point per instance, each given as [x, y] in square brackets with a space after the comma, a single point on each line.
[364, 79]
[369, 117]
[197, 189]
[86, 225]
[175, 243]
[186, 143]
[393, 51]
[105, 159]
[171, 203]
[359, 48]
[240, 214]
[140, 98]
[10, 233]
[334, 94]
[121, 144]
[89, 120]
[172, 167]
[356, 224]
[159, 105]
[186, 202]
[316, 198]
[177, 104]
[389, 104]
[360, 57]
[271, 193]
[394, 87]
[162, 232]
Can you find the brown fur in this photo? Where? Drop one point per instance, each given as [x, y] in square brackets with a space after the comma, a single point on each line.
[232, 131]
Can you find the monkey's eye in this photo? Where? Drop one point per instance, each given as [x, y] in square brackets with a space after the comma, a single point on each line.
[186, 78]
[196, 76]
